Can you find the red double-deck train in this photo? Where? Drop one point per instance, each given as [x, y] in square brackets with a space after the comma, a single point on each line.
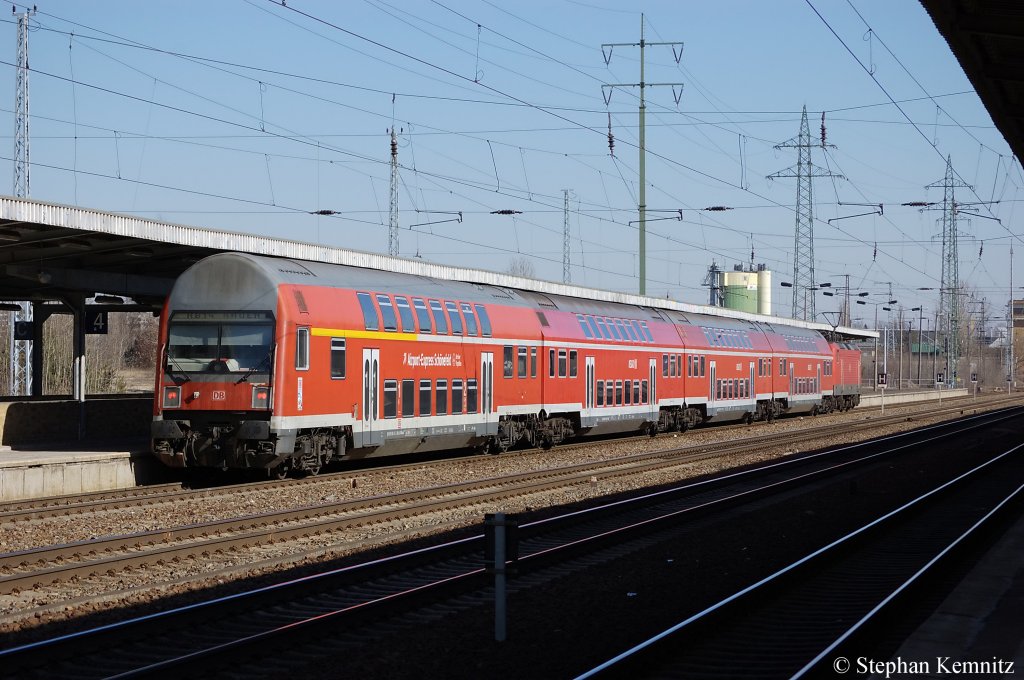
[287, 365]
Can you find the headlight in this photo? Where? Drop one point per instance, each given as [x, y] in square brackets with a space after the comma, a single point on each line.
[172, 397]
[260, 396]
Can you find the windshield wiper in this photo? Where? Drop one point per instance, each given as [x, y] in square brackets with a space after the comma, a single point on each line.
[255, 368]
[172, 363]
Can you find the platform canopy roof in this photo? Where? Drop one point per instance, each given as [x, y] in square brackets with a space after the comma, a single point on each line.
[56, 252]
[987, 38]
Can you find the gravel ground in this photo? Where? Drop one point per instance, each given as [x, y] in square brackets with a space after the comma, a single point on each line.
[43, 605]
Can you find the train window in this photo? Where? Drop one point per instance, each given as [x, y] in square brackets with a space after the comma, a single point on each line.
[689, 365]
[622, 329]
[573, 363]
[632, 333]
[604, 329]
[388, 312]
[471, 395]
[425, 397]
[456, 397]
[301, 349]
[636, 392]
[337, 358]
[408, 398]
[646, 331]
[441, 398]
[370, 320]
[618, 393]
[613, 329]
[485, 321]
[600, 393]
[405, 314]
[643, 392]
[609, 391]
[551, 363]
[521, 362]
[422, 315]
[438, 313]
[679, 363]
[467, 313]
[672, 366]
[390, 398]
[507, 361]
[628, 392]
[639, 331]
[533, 362]
[664, 365]
[561, 363]
[593, 326]
[587, 333]
[455, 317]
[702, 366]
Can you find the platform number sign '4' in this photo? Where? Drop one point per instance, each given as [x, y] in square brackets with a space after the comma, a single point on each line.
[95, 322]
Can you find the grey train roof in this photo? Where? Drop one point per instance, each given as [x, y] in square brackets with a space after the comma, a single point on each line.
[247, 281]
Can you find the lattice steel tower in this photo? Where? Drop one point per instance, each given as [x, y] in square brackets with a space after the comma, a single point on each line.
[21, 350]
[803, 242]
[949, 295]
[393, 219]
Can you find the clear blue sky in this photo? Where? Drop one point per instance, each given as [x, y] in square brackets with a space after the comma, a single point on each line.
[248, 116]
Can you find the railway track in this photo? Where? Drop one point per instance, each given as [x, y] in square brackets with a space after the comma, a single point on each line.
[99, 501]
[292, 617]
[51, 565]
[839, 597]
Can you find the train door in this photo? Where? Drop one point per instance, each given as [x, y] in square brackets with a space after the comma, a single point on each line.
[711, 382]
[792, 379]
[591, 385]
[817, 384]
[752, 386]
[371, 393]
[652, 372]
[487, 388]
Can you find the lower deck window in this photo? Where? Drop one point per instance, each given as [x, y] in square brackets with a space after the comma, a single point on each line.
[425, 397]
[390, 398]
[456, 396]
[408, 398]
[600, 393]
[471, 406]
[441, 398]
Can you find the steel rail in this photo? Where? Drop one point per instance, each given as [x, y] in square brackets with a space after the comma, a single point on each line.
[85, 558]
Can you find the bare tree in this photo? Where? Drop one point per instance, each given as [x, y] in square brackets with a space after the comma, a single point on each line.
[522, 266]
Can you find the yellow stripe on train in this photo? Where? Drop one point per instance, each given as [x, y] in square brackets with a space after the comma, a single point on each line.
[370, 335]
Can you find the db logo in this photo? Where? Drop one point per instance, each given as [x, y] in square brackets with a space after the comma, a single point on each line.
[219, 395]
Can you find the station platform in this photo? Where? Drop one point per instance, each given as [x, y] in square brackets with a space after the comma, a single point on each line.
[62, 469]
[895, 397]
[54, 447]
[980, 621]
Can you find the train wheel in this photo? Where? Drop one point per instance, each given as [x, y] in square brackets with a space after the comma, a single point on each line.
[281, 471]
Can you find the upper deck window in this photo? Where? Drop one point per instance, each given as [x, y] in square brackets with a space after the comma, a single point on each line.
[388, 312]
[405, 314]
[485, 321]
[454, 317]
[438, 313]
[370, 320]
[467, 313]
[422, 315]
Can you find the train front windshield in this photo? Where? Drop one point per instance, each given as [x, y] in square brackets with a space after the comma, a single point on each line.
[219, 343]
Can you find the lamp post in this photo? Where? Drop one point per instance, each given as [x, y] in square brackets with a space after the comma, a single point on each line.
[920, 342]
[885, 358]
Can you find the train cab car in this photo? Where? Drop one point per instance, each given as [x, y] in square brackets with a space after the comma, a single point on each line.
[276, 364]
